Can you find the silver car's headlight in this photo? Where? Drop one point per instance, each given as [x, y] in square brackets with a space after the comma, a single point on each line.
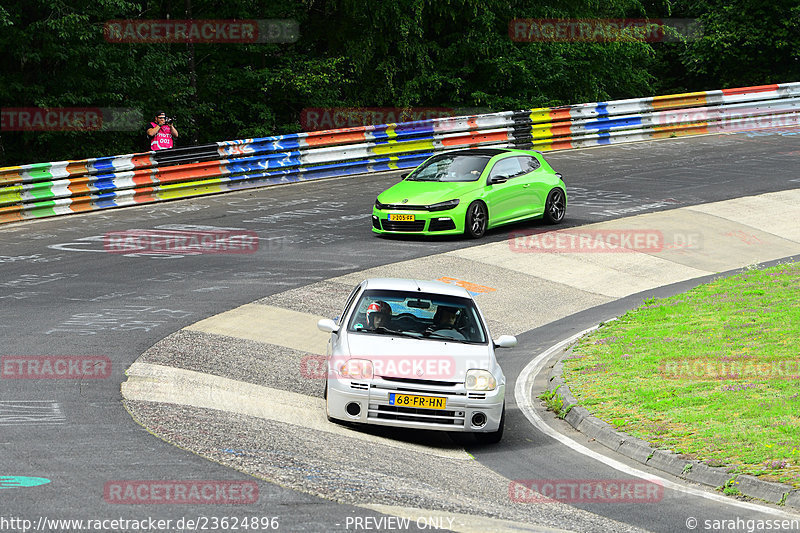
[479, 379]
[357, 369]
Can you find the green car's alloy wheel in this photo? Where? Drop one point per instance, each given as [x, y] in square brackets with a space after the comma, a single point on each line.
[555, 207]
[477, 218]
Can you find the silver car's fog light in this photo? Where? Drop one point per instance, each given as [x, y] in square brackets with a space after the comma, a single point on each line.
[478, 379]
[353, 409]
[478, 419]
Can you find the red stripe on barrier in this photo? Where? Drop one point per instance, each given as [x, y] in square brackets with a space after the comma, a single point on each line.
[755, 89]
[472, 138]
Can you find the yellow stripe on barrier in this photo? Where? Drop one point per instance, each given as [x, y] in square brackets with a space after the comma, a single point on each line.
[673, 101]
[174, 191]
[11, 195]
[540, 114]
[394, 147]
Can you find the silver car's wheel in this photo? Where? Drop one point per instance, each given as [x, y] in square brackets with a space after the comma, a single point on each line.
[495, 436]
[555, 207]
[476, 220]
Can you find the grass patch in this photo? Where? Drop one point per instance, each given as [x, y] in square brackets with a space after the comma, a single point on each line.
[713, 373]
[555, 403]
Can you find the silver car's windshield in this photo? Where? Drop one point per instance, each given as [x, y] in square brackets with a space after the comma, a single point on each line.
[451, 168]
[411, 314]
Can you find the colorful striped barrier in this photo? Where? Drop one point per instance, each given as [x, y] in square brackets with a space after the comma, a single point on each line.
[64, 187]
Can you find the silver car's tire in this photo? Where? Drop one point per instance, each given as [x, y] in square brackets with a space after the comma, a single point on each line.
[495, 436]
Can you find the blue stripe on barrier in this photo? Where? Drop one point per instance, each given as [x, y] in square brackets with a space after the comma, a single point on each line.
[104, 182]
[105, 200]
[606, 124]
[103, 163]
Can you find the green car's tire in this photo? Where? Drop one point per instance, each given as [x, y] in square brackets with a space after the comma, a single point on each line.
[476, 220]
[556, 207]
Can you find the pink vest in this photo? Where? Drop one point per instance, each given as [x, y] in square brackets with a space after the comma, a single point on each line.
[162, 139]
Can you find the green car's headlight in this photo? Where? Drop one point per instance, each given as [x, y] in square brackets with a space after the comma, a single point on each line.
[443, 206]
[379, 205]
[480, 380]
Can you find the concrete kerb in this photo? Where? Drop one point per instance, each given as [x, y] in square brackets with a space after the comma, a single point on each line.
[665, 460]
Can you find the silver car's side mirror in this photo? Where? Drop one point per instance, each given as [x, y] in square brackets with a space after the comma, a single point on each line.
[328, 326]
[505, 341]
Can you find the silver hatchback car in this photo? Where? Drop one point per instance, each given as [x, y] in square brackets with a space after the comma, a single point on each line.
[415, 354]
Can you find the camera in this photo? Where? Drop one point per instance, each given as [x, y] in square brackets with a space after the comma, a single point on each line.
[168, 120]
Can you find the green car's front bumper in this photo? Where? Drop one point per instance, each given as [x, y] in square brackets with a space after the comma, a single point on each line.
[449, 222]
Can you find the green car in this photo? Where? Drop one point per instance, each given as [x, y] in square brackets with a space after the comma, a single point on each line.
[470, 191]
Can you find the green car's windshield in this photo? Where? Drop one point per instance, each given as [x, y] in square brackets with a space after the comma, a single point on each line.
[417, 315]
[446, 167]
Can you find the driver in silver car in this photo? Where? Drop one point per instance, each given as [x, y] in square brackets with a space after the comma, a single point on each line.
[379, 315]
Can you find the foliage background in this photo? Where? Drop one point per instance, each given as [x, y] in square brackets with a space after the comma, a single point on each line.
[426, 53]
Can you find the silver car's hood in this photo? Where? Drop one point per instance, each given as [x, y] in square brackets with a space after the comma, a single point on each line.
[403, 357]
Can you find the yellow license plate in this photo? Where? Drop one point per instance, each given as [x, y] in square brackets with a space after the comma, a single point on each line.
[423, 402]
[394, 217]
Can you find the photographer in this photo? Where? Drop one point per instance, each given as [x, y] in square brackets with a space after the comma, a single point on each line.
[161, 132]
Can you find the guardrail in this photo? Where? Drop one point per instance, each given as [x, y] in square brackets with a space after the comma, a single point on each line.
[64, 187]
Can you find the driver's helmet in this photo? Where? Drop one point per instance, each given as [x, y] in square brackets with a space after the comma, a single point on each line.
[378, 307]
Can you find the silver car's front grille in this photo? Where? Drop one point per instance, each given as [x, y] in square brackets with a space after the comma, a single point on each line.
[359, 385]
[415, 414]
[419, 386]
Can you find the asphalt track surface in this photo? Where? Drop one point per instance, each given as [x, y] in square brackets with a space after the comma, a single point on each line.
[62, 294]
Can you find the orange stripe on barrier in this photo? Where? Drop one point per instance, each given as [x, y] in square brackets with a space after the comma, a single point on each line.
[697, 128]
[81, 204]
[561, 131]
[12, 213]
[472, 138]
[191, 171]
[145, 178]
[145, 195]
[674, 101]
[755, 89]
[335, 138]
[561, 144]
[77, 187]
[76, 168]
[142, 161]
[10, 177]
